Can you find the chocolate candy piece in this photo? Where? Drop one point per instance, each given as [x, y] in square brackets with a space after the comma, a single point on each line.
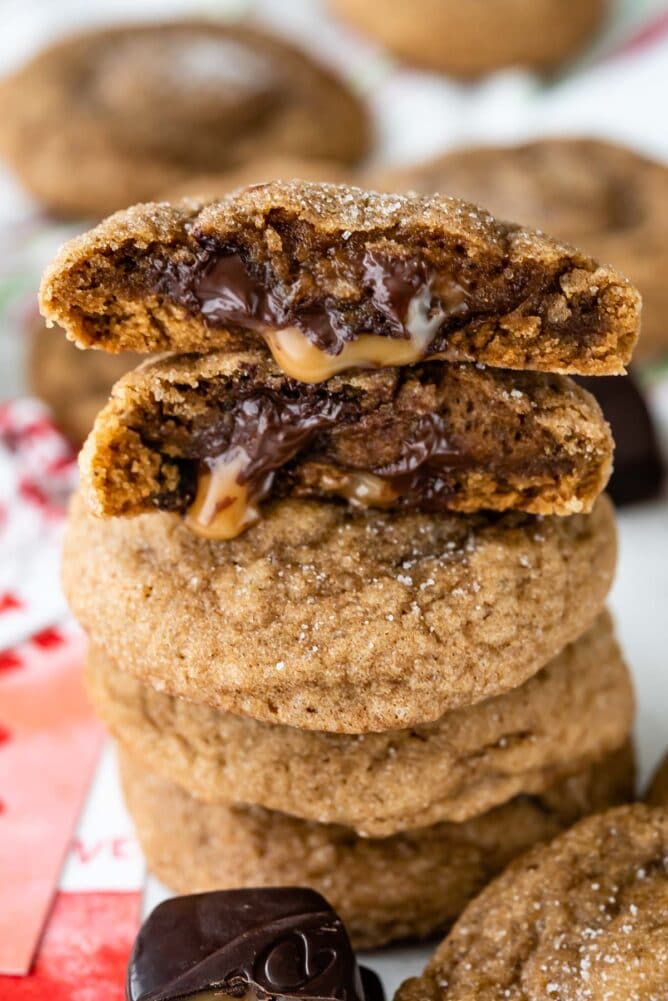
[639, 466]
[371, 984]
[276, 942]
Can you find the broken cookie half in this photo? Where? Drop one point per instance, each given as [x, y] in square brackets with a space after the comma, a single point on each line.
[215, 436]
[331, 278]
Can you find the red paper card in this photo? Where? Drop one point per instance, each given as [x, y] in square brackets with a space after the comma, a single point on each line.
[49, 744]
[84, 953]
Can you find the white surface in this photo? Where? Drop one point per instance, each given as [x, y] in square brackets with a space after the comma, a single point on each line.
[105, 854]
[416, 114]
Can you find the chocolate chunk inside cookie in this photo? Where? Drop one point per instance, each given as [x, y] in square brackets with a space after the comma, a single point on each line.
[215, 436]
[332, 278]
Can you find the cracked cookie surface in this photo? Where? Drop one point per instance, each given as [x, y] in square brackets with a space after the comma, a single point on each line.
[331, 277]
[577, 708]
[585, 917]
[409, 885]
[329, 618]
[606, 198]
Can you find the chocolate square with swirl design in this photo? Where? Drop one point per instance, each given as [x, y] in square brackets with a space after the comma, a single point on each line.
[254, 944]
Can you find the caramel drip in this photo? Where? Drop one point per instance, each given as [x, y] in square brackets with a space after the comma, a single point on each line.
[358, 488]
[311, 345]
[222, 508]
[300, 359]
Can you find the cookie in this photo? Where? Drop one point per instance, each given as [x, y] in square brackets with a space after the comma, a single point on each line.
[389, 888]
[216, 436]
[657, 794]
[577, 708]
[117, 115]
[639, 470]
[585, 917]
[208, 187]
[477, 37]
[606, 198]
[330, 278]
[75, 384]
[330, 618]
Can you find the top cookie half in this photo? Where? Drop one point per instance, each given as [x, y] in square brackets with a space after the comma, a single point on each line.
[332, 277]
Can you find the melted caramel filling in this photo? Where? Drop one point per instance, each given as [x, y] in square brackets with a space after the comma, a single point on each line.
[313, 345]
[360, 489]
[299, 358]
[222, 508]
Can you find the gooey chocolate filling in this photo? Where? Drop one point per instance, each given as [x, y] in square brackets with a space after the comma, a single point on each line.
[399, 291]
[403, 315]
[272, 445]
[267, 433]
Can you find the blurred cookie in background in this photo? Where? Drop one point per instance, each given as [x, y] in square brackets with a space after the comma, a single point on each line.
[75, 384]
[607, 199]
[477, 37]
[271, 168]
[613, 202]
[104, 119]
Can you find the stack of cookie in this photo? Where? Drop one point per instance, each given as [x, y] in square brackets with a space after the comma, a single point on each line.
[342, 554]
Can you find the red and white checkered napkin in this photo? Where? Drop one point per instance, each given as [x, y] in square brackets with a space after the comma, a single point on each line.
[37, 472]
[74, 943]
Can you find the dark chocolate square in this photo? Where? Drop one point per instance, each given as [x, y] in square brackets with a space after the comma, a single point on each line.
[277, 942]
